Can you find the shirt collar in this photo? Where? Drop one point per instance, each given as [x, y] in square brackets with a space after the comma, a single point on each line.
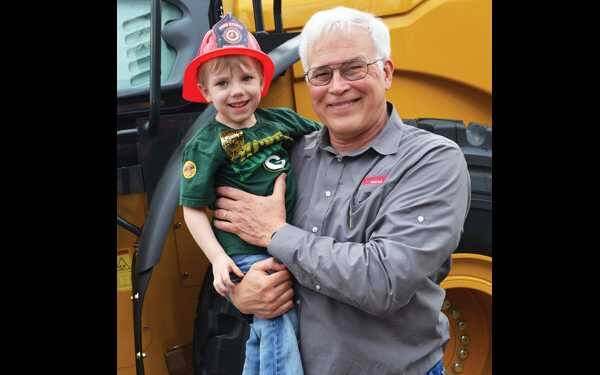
[385, 143]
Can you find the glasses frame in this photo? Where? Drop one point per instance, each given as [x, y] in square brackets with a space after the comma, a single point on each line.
[338, 66]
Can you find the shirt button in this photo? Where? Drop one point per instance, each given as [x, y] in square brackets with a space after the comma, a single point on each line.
[297, 302]
[318, 287]
[315, 229]
[339, 158]
[327, 193]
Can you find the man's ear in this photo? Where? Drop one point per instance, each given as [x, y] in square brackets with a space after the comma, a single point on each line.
[204, 92]
[388, 70]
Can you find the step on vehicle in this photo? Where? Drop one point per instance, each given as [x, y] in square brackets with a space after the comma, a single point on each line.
[169, 318]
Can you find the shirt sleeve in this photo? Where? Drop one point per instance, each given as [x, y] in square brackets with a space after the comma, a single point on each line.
[293, 124]
[401, 252]
[201, 159]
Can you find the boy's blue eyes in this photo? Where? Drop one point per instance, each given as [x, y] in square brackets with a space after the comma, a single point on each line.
[224, 82]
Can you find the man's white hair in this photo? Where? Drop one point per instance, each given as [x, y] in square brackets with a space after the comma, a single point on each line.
[342, 20]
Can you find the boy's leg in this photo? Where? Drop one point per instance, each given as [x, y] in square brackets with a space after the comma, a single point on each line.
[251, 362]
[279, 350]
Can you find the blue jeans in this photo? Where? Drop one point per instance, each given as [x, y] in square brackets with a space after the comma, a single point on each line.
[272, 347]
[437, 369]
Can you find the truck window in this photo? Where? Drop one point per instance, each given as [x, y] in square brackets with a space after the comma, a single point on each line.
[133, 43]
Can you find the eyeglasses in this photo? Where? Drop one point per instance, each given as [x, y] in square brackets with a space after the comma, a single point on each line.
[352, 70]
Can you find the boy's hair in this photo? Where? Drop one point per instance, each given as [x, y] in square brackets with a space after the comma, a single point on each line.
[221, 64]
[342, 20]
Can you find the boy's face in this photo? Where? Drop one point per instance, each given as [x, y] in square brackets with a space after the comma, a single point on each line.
[235, 91]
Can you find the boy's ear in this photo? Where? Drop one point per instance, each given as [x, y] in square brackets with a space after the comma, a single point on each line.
[204, 92]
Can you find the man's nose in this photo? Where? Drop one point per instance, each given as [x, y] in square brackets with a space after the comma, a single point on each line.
[338, 83]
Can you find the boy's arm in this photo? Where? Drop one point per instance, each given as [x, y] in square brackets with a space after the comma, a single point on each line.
[199, 226]
[295, 125]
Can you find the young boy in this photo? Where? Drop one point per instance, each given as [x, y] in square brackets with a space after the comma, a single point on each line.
[241, 147]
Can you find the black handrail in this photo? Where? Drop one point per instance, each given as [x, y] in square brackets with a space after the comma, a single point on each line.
[128, 226]
[215, 12]
[155, 30]
[277, 16]
[258, 17]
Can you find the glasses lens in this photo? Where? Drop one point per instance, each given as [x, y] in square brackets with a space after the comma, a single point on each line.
[354, 70]
[320, 76]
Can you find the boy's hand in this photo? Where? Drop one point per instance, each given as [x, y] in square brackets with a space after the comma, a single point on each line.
[222, 265]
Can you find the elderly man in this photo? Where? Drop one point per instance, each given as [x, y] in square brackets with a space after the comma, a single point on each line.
[380, 209]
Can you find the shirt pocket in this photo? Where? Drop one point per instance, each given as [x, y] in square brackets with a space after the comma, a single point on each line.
[364, 206]
[363, 195]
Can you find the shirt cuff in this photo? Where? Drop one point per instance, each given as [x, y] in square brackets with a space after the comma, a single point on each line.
[283, 244]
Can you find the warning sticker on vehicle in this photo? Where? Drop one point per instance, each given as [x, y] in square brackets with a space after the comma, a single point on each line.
[123, 270]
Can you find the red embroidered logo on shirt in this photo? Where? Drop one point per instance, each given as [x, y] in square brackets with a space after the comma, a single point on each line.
[373, 180]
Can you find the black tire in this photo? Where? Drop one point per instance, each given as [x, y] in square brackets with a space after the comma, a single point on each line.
[475, 141]
[220, 333]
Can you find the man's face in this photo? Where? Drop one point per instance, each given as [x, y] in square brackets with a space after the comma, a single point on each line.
[349, 108]
[235, 92]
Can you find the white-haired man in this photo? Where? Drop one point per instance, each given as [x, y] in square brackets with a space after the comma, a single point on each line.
[380, 208]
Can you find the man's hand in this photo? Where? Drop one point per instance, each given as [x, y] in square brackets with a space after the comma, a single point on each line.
[266, 296]
[253, 218]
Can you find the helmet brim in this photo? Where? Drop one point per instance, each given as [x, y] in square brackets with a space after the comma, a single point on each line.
[191, 91]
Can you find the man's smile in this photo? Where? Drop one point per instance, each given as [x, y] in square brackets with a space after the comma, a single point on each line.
[343, 104]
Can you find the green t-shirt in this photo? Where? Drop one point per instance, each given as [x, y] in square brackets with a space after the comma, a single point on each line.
[248, 159]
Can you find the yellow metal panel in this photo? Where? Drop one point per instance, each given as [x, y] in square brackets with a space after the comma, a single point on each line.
[451, 39]
[470, 271]
[281, 93]
[296, 13]
[192, 263]
[131, 207]
[169, 306]
[419, 95]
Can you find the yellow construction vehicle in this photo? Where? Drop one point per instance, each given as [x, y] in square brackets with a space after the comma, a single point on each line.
[169, 318]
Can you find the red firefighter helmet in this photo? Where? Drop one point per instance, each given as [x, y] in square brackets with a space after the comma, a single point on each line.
[227, 37]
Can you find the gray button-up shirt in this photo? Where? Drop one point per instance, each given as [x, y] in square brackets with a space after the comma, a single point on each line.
[371, 239]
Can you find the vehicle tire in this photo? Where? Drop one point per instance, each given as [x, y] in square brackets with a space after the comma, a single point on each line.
[468, 306]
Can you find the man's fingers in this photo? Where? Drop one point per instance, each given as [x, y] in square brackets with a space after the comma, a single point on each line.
[277, 266]
[224, 203]
[233, 193]
[222, 214]
[267, 264]
[277, 312]
[225, 225]
[282, 288]
[279, 277]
